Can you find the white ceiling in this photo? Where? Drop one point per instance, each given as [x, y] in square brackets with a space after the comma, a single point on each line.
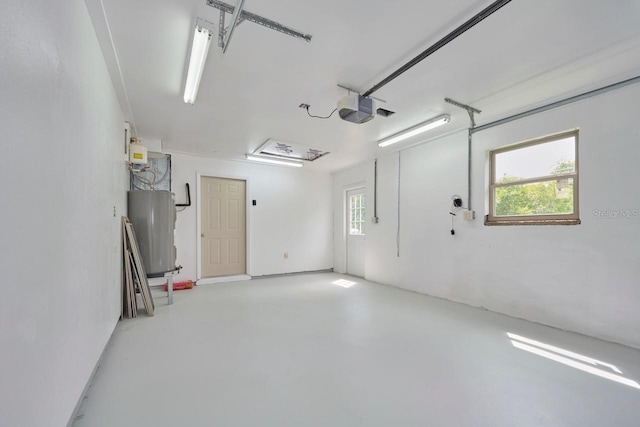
[527, 54]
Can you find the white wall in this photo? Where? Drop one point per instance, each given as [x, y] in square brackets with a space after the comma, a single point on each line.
[62, 174]
[293, 214]
[357, 176]
[582, 278]
[381, 259]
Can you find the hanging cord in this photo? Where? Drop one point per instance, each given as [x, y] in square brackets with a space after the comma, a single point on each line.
[320, 117]
[452, 230]
[456, 206]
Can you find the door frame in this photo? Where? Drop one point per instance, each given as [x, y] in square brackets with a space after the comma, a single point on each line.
[345, 204]
[247, 275]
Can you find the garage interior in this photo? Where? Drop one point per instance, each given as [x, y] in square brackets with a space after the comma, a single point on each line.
[382, 280]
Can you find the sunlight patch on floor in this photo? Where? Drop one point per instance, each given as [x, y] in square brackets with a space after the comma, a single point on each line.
[572, 359]
[344, 283]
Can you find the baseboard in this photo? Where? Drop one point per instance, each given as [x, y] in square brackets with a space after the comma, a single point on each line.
[243, 277]
[223, 279]
[296, 273]
[87, 386]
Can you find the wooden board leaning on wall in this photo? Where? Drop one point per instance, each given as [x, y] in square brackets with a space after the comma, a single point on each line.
[134, 275]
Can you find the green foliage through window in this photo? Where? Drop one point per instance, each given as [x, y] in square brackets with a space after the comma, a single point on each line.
[536, 180]
[541, 198]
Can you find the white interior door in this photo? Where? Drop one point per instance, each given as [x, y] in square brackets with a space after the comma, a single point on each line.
[223, 228]
[355, 228]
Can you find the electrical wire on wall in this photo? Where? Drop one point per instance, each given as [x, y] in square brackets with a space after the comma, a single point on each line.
[320, 117]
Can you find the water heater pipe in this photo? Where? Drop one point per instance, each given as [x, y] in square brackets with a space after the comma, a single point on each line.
[188, 198]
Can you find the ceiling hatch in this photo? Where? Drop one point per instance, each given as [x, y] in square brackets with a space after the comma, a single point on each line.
[289, 151]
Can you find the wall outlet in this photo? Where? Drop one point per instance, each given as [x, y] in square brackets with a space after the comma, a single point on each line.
[469, 215]
[286, 255]
[374, 220]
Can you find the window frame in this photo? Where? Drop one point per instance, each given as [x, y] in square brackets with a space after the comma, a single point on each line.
[359, 212]
[552, 219]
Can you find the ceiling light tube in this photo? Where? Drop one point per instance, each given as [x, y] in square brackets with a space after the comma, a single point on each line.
[415, 130]
[274, 160]
[199, 51]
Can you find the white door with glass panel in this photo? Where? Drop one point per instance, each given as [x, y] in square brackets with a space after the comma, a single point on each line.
[356, 221]
[223, 242]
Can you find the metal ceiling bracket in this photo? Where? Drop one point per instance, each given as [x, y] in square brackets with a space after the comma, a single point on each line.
[221, 29]
[470, 110]
[239, 15]
[205, 25]
[235, 20]
[350, 90]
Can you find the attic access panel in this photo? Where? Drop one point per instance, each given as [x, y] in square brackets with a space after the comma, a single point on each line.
[290, 151]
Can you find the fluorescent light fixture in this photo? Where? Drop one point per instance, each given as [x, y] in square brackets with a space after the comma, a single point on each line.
[199, 51]
[412, 131]
[274, 160]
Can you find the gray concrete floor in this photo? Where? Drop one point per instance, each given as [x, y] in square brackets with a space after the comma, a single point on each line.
[302, 351]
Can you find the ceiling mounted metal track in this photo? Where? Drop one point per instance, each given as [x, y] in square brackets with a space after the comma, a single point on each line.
[237, 18]
[494, 7]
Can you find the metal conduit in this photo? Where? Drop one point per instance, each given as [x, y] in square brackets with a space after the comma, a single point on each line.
[537, 110]
[398, 230]
[557, 104]
[375, 191]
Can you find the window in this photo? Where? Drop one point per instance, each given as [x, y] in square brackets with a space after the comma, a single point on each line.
[357, 215]
[535, 182]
